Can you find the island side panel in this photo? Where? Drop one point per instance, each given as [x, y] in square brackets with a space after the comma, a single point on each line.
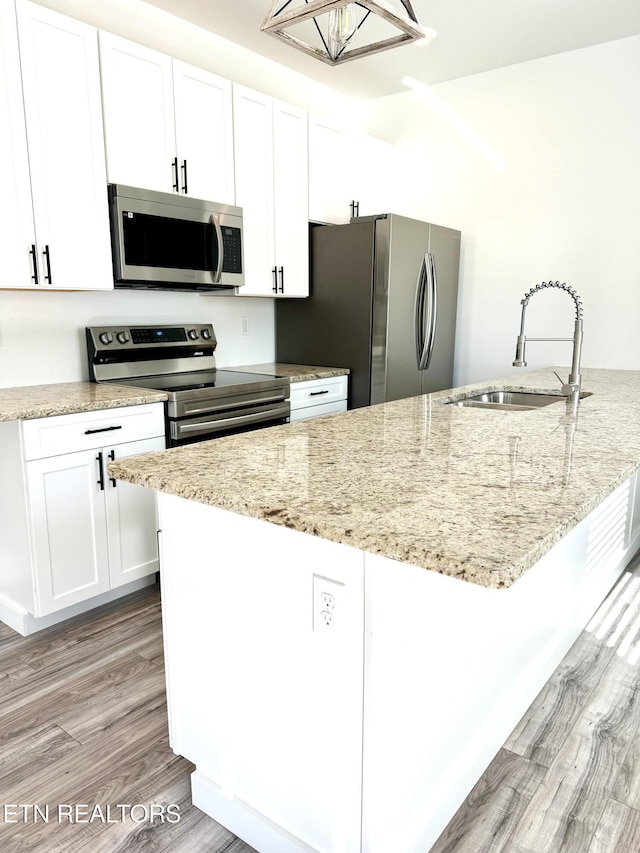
[265, 704]
[451, 667]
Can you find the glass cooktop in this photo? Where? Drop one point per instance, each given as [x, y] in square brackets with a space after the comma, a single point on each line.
[176, 382]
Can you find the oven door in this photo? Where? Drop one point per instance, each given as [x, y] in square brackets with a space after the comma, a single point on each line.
[160, 240]
[226, 422]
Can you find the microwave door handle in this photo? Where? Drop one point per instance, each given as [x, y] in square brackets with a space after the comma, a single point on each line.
[215, 221]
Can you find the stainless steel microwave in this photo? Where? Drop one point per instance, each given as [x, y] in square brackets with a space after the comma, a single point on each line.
[163, 241]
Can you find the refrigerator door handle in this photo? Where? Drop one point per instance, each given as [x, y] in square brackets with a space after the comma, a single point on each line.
[432, 311]
[419, 311]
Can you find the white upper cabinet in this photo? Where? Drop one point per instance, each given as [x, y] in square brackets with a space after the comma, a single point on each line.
[376, 176]
[253, 142]
[270, 141]
[204, 133]
[291, 199]
[332, 172]
[168, 125]
[60, 236]
[16, 207]
[137, 101]
[350, 174]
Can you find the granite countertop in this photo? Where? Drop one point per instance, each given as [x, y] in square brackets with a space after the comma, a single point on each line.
[479, 495]
[66, 398]
[295, 372]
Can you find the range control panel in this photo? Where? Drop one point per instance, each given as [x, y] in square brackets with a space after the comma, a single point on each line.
[112, 338]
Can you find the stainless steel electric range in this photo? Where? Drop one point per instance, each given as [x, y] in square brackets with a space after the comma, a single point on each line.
[203, 402]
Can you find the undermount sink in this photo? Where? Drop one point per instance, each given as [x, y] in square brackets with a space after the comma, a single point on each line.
[509, 400]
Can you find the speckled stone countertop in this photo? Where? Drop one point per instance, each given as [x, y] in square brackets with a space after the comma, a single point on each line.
[66, 398]
[295, 372]
[479, 495]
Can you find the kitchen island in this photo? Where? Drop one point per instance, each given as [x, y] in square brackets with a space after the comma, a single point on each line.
[357, 610]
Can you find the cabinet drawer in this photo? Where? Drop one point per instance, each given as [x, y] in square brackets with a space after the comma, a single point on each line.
[44, 437]
[317, 392]
[317, 411]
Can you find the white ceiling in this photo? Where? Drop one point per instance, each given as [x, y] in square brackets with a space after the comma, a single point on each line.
[473, 36]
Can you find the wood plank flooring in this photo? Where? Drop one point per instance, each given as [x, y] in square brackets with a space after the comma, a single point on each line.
[83, 720]
[568, 777]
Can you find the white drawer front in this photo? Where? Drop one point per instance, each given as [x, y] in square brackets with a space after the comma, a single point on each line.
[317, 392]
[317, 411]
[85, 430]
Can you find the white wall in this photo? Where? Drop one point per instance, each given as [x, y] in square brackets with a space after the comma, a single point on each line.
[43, 338]
[566, 206]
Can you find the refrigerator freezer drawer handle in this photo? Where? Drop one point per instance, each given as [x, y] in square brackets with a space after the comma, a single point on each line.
[432, 312]
[419, 310]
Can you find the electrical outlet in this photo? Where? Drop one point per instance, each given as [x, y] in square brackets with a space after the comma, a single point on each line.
[327, 597]
[244, 325]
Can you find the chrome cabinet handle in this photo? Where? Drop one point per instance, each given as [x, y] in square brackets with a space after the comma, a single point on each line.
[184, 177]
[215, 221]
[34, 261]
[47, 257]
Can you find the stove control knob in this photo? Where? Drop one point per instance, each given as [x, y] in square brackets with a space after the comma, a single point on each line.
[206, 334]
[106, 337]
[193, 334]
[122, 337]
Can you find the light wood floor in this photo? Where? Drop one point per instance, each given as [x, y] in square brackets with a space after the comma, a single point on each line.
[83, 720]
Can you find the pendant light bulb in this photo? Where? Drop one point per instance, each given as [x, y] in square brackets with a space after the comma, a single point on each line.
[342, 27]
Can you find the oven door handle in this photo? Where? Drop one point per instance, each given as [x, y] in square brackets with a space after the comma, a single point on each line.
[215, 221]
[178, 429]
[186, 410]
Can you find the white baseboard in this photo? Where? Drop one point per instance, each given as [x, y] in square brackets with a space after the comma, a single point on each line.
[248, 824]
[25, 623]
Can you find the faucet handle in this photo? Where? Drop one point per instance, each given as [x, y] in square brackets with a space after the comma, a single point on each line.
[560, 379]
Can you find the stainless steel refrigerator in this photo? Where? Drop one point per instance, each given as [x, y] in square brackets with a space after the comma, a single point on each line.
[383, 302]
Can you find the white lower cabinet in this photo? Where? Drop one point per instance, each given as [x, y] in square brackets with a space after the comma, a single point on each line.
[70, 532]
[317, 397]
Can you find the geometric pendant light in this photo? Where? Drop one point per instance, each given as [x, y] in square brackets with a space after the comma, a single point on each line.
[337, 31]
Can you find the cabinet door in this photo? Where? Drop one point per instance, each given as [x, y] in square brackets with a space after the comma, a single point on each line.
[16, 209]
[291, 199]
[131, 519]
[137, 93]
[253, 141]
[318, 411]
[61, 83]
[376, 173]
[69, 530]
[332, 172]
[204, 133]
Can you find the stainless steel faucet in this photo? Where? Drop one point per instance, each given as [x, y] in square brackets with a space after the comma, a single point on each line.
[571, 388]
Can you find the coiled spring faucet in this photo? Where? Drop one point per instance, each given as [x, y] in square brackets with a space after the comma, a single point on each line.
[571, 388]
